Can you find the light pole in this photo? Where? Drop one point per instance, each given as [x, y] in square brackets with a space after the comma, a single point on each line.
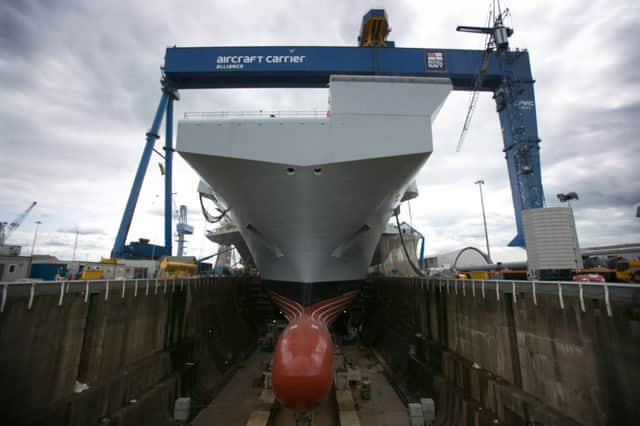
[35, 236]
[75, 244]
[484, 217]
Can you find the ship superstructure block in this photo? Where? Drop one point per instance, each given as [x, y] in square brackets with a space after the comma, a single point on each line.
[367, 117]
[311, 195]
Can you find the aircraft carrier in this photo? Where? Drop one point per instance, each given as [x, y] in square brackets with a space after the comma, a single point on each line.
[335, 318]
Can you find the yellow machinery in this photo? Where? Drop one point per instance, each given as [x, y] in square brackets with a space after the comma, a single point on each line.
[628, 270]
[479, 275]
[178, 266]
[374, 30]
[92, 274]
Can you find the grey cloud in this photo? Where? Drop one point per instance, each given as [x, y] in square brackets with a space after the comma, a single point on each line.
[56, 243]
[82, 231]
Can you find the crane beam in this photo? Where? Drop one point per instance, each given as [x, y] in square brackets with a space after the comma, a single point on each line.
[311, 66]
[477, 30]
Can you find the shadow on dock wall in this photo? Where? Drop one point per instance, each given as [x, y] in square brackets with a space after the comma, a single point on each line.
[524, 363]
[135, 354]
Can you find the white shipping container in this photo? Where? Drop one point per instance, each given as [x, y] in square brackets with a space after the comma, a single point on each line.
[551, 239]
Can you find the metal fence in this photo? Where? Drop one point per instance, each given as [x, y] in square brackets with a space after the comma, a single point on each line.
[608, 292]
[229, 115]
[109, 288]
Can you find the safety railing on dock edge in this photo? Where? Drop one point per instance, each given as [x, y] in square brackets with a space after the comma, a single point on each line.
[608, 292]
[111, 288]
[230, 115]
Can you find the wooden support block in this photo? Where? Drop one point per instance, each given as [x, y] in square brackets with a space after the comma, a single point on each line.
[266, 400]
[345, 400]
[341, 381]
[338, 362]
[353, 375]
[267, 379]
[349, 418]
[259, 418]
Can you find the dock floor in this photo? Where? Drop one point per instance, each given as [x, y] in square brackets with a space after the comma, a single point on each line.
[235, 402]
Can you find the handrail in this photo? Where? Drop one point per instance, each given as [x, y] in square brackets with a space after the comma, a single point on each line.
[562, 289]
[260, 114]
[116, 287]
[537, 282]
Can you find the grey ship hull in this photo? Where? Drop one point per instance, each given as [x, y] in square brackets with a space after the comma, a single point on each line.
[312, 197]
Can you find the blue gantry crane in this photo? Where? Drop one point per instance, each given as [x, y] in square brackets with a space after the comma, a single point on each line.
[504, 72]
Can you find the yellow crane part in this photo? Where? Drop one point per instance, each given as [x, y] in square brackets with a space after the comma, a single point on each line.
[374, 30]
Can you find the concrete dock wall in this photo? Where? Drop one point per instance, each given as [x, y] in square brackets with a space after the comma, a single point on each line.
[136, 347]
[484, 355]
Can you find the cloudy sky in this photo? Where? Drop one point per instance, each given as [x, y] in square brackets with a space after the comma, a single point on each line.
[80, 82]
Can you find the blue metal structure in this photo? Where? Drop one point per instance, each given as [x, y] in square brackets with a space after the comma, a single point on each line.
[508, 76]
[168, 161]
[119, 249]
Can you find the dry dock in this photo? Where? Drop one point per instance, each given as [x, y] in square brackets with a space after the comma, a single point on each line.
[122, 352]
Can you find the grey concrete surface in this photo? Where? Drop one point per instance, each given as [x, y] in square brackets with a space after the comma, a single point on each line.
[238, 398]
[385, 407]
[135, 354]
[487, 359]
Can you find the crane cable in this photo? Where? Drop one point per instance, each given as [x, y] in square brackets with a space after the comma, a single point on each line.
[215, 254]
[404, 246]
[484, 64]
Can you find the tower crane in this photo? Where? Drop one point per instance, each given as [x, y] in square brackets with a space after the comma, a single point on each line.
[6, 229]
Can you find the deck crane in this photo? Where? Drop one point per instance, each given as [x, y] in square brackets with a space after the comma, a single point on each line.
[507, 74]
[6, 229]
